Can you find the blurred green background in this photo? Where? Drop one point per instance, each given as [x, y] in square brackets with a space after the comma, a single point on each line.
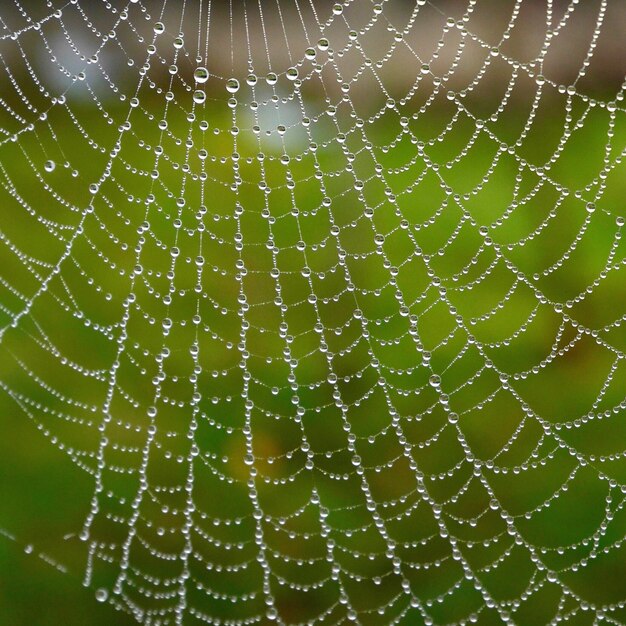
[55, 367]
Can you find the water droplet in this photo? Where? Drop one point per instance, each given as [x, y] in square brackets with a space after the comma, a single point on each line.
[271, 79]
[323, 44]
[199, 97]
[201, 75]
[102, 595]
[49, 166]
[232, 85]
[292, 73]
[159, 28]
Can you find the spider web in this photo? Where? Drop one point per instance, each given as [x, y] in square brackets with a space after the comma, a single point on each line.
[324, 304]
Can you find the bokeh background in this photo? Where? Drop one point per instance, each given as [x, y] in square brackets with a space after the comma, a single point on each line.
[541, 408]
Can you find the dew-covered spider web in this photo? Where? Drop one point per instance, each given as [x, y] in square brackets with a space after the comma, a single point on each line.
[314, 313]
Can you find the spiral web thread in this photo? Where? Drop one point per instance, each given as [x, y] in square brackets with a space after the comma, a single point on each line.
[300, 304]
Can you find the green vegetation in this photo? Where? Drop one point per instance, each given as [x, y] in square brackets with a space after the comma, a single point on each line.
[47, 444]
